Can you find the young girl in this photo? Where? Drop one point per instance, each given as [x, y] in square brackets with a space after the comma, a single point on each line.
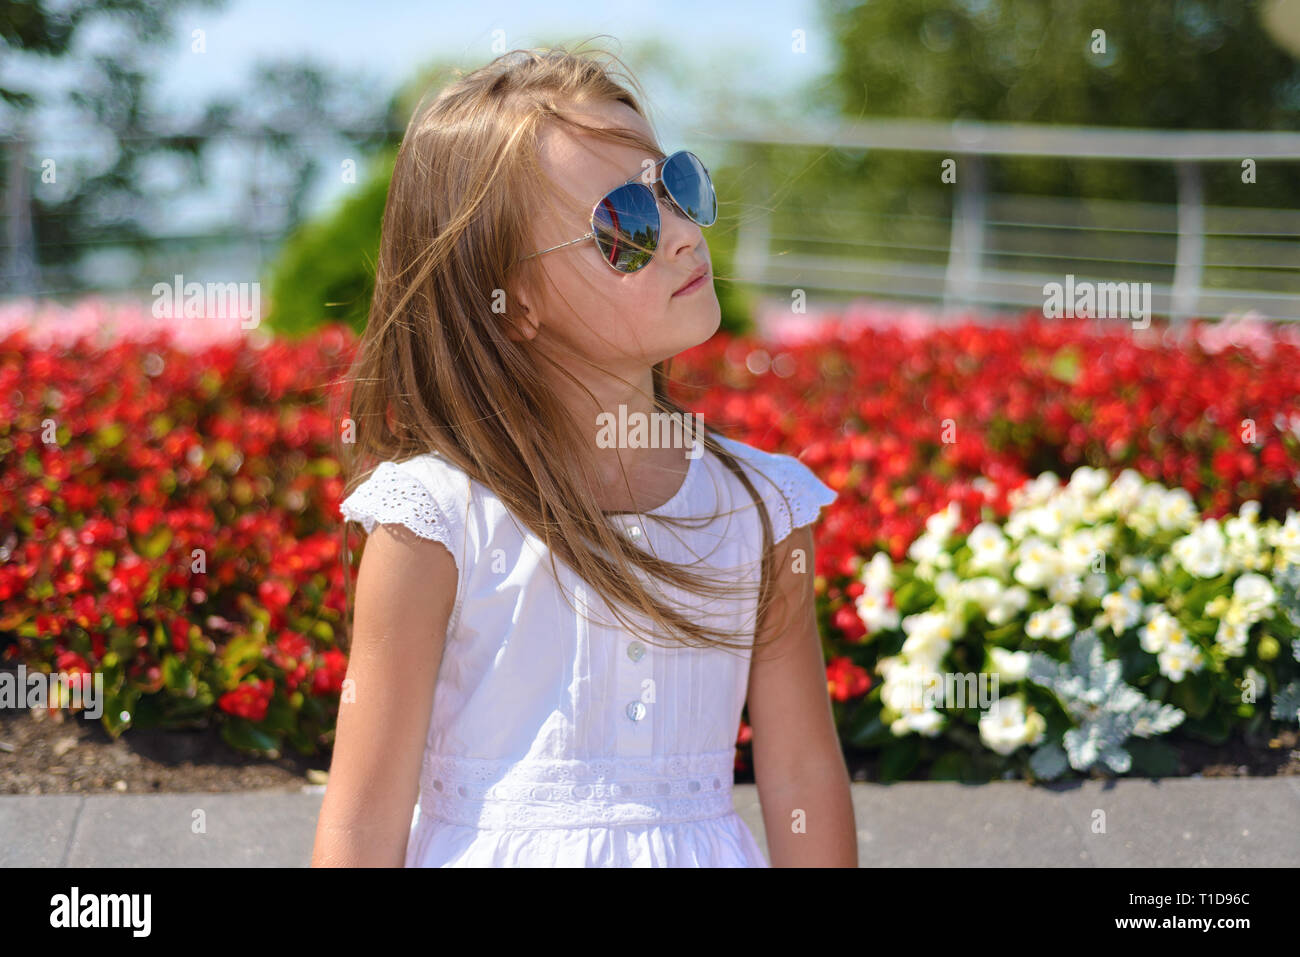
[561, 612]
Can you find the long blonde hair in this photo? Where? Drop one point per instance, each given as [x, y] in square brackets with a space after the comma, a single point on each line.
[435, 368]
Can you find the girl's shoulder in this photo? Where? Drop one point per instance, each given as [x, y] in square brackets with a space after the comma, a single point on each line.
[426, 493]
[793, 493]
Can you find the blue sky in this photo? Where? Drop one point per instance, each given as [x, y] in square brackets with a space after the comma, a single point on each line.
[745, 51]
[390, 38]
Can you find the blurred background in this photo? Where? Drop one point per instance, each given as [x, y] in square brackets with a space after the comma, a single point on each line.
[239, 141]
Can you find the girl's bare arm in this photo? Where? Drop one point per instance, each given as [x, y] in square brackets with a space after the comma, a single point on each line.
[406, 587]
[803, 784]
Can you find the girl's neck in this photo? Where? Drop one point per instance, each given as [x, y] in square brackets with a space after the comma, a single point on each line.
[654, 476]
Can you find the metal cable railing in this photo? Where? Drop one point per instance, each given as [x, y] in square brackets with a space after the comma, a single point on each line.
[1003, 250]
[959, 246]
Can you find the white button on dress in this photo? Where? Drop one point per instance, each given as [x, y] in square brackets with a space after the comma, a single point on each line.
[558, 738]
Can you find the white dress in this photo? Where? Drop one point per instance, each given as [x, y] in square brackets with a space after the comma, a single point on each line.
[559, 742]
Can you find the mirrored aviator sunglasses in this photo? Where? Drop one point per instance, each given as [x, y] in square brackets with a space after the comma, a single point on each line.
[625, 221]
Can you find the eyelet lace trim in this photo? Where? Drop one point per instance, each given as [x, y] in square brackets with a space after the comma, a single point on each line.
[551, 793]
[391, 495]
[804, 496]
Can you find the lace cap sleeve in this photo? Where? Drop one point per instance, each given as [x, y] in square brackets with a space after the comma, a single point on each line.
[794, 495]
[414, 494]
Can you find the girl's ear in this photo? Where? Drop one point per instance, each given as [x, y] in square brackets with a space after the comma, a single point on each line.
[523, 326]
[521, 329]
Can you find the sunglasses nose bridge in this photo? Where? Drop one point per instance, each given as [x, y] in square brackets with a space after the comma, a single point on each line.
[665, 198]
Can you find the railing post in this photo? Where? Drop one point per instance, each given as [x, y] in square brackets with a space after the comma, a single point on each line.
[966, 245]
[1190, 255]
[753, 242]
[21, 269]
[754, 231]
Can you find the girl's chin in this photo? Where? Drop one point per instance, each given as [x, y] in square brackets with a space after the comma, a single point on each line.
[699, 327]
[684, 329]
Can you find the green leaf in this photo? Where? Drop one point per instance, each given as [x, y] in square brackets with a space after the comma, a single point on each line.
[110, 434]
[178, 679]
[242, 735]
[156, 544]
[912, 596]
[1212, 728]
[1194, 694]
[1065, 364]
[899, 759]
[116, 704]
[872, 733]
[301, 741]
[1153, 758]
[1135, 664]
[953, 766]
[279, 716]
[242, 649]
[123, 645]
[148, 712]
[184, 709]
[161, 425]
[1000, 633]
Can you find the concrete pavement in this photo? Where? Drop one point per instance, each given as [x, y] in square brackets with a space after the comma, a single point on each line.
[1175, 822]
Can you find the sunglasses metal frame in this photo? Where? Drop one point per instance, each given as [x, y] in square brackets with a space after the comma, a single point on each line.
[632, 181]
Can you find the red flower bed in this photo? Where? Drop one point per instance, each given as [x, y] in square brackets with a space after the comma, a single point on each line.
[170, 517]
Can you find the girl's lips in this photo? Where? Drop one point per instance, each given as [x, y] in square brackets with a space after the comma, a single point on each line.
[692, 286]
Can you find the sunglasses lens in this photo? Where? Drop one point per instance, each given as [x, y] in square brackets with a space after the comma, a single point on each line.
[688, 183]
[627, 227]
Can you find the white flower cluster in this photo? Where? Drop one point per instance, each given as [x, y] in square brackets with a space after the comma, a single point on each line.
[873, 604]
[1056, 544]
[908, 675]
[1165, 638]
[1008, 725]
[1253, 599]
[1237, 544]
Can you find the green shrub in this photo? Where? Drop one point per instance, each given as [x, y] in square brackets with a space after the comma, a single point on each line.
[326, 271]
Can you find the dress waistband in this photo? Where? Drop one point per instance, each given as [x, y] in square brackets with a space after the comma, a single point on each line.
[552, 792]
